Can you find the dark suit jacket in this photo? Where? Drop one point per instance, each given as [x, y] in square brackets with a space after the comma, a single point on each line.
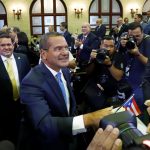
[68, 38]
[8, 107]
[91, 42]
[124, 28]
[46, 110]
[100, 31]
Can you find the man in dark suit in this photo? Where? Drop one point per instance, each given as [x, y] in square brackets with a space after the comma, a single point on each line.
[49, 102]
[9, 87]
[66, 34]
[118, 29]
[100, 29]
[84, 44]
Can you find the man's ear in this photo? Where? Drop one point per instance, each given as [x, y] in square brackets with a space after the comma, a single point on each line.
[43, 54]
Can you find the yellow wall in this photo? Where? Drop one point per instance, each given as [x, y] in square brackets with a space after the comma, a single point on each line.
[128, 4]
[74, 24]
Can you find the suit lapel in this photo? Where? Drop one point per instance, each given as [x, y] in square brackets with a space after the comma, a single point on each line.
[54, 87]
[4, 77]
[72, 99]
[3, 71]
[18, 63]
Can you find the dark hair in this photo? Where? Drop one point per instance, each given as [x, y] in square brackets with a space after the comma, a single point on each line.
[16, 29]
[134, 25]
[64, 24]
[44, 39]
[140, 16]
[22, 38]
[5, 35]
[108, 37]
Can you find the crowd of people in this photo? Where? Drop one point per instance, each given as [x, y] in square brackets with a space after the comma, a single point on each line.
[38, 108]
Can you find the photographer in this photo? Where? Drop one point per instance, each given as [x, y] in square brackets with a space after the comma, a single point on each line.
[135, 45]
[105, 70]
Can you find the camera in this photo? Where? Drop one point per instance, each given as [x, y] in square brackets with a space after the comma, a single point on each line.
[127, 124]
[131, 43]
[101, 55]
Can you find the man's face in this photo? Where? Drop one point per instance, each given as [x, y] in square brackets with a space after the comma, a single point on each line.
[119, 21]
[85, 29]
[137, 34]
[98, 22]
[6, 47]
[136, 18]
[109, 45]
[57, 55]
[61, 28]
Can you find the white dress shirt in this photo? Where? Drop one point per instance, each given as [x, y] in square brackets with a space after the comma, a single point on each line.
[14, 65]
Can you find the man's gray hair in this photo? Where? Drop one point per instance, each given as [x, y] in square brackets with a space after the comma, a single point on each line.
[44, 39]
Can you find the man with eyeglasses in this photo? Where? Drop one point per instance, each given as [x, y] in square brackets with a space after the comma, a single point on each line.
[136, 58]
[13, 68]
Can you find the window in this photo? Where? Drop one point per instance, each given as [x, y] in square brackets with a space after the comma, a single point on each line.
[47, 12]
[3, 15]
[108, 10]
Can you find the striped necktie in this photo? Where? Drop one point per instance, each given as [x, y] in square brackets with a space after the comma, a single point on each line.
[9, 69]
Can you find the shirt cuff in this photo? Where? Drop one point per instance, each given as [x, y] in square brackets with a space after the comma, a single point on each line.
[81, 46]
[78, 125]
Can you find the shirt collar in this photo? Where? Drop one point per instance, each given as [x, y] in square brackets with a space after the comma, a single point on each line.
[5, 58]
[53, 71]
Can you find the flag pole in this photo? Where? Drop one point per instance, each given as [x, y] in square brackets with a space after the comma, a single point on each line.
[124, 103]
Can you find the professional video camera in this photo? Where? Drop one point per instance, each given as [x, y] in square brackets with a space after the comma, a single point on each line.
[131, 43]
[101, 55]
[127, 124]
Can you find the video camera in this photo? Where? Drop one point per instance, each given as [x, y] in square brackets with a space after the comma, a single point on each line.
[127, 124]
[101, 55]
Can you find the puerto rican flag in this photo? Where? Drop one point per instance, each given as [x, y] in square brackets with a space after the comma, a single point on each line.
[131, 106]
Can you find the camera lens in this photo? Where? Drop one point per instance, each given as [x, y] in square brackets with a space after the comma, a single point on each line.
[130, 43]
[101, 55]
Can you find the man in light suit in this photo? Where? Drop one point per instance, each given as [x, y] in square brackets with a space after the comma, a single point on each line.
[10, 109]
[49, 115]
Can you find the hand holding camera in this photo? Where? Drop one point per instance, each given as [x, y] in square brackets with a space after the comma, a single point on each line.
[93, 54]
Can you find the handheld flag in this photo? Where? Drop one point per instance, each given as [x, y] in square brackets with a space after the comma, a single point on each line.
[131, 105]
